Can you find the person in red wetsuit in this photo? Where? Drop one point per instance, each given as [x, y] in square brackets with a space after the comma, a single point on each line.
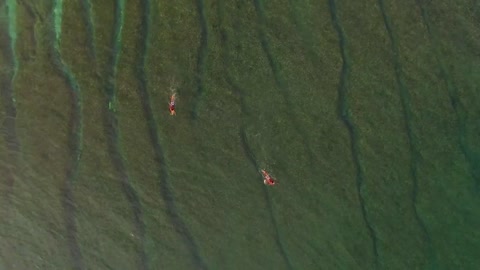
[267, 179]
[171, 105]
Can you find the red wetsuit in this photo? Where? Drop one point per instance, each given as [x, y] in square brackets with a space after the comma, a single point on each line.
[267, 179]
[171, 107]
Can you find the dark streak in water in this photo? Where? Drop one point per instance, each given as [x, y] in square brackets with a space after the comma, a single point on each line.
[9, 133]
[6, 94]
[112, 131]
[280, 82]
[304, 32]
[345, 117]
[472, 158]
[116, 49]
[88, 17]
[243, 137]
[70, 222]
[75, 141]
[111, 128]
[7, 97]
[165, 187]
[202, 55]
[36, 16]
[407, 112]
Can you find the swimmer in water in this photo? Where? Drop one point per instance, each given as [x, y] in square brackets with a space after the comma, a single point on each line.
[171, 104]
[267, 179]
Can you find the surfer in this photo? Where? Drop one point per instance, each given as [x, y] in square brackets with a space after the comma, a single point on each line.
[267, 179]
[171, 105]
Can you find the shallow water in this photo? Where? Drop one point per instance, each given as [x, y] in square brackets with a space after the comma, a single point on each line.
[366, 112]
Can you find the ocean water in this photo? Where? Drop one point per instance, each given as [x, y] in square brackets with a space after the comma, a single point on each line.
[366, 112]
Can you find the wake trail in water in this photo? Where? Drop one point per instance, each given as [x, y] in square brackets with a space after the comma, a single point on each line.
[407, 114]
[472, 158]
[8, 98]
[251, 157]
[165, 186]
[243, 137]
[279, 81]
[345, 117]
[75, 142]
[113, 132]
[202, 55]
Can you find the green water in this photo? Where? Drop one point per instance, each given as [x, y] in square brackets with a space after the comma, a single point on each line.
[366, 113]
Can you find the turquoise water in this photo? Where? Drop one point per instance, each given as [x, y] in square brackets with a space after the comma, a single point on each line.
[365, 112]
